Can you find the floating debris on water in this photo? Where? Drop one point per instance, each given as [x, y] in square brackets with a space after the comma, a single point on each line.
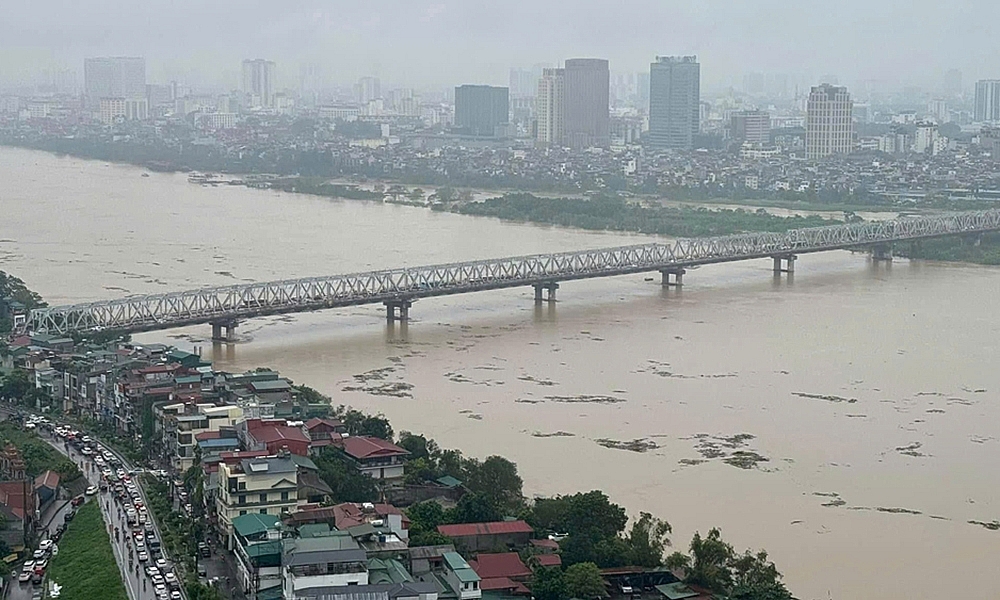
[476, 416]
[936, 411]
[545, 382]
[637, 445]
[827, 397]
[554, 434]
[745, 459]
[528, 401]
[691, 461]
[834, 499]
[375, 374]
[973, 391]
[911, 449]
[395, 389]
[587, 399]
[730, 449]
[992, 525]
[898, 511]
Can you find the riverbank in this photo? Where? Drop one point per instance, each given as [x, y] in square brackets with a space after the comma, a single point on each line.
[85, 567]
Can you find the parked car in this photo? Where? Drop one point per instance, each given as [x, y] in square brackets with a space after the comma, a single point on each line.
[77, 501]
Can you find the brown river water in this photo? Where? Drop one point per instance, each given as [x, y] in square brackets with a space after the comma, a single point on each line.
[846, 420]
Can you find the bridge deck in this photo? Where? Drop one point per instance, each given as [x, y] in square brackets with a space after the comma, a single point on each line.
[164, 311]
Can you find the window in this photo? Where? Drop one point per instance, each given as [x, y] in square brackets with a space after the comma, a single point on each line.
[243, 512]
[284, 496]
[242, 485]
[263, 497]
[242, 499]
[263, 511]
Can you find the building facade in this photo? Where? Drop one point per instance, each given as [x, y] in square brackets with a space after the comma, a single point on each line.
[550, 106]
[113, 77]
[267, 486]
[587, 120]
[988, 101]
[751, 127]
[258, 82]
[481, 109]
[829, 122]
[674, 102]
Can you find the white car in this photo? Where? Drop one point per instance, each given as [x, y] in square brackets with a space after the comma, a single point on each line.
[143, 557]
[91, 490]
[45, 545]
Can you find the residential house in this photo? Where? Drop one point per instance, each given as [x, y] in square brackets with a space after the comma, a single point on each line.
[19, 506]
[484, 537]
[501, 572]
[264, 485]
[46, 487]
[352, 514]
[323, 433]
[461, 578]
[273, 436]
[332, 561]
[258, 549]
[375, 457]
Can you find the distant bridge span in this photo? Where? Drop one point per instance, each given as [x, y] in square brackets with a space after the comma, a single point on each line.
[224, 307]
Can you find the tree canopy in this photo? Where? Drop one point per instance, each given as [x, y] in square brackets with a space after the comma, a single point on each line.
[714, 565]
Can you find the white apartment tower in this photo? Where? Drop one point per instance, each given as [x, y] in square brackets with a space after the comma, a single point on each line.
[550, 106]
[258, 82]
[987, 101]
[829, 124]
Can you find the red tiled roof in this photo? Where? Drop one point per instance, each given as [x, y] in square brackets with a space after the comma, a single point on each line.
[497, 583]
[548, 560]
[49, 479]
[316, 422]
[12, 496]
[208, 435]
[369, 447]
[546, 544]
[494, 528]
[269, 434]
[350, 514]
[503, 564]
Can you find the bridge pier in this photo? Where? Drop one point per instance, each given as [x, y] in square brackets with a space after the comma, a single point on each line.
[678, 277]
[789, 264]
[882, 252]
[228, 326]
[550, 291]
[397, 310]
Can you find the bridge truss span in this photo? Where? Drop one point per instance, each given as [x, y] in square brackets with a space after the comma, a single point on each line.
[233, 303]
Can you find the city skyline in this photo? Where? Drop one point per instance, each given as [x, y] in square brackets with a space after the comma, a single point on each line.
[484, 42]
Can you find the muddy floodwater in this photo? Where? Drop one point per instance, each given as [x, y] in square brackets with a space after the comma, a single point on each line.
[846, 420]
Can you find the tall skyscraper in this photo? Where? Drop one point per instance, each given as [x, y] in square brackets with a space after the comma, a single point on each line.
[587, 121]
[987, 101]
[368, 89]
[258, 82]
[480, 109]
[674, 101]
[550, 103]
[751, 126]
[113, 77]
[829, 123]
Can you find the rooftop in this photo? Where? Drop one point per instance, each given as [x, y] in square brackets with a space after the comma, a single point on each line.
[254, 524]
[492, 528]
[462, 570]
[371, 447]
[503, 564]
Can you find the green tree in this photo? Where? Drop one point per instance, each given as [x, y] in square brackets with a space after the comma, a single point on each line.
[473, 508]
[425, 516]
[445, 194]
[416, 195]
[428, 538]
[648, 539]
[496, 478]
[709, 563]
[583, 580]
[16, 385]
[417, 445]
[420, 470]
[756, 578]
[347, 483]
[548, 584]
[358, 423]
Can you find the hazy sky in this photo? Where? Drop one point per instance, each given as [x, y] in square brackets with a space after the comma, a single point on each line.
[434, 43]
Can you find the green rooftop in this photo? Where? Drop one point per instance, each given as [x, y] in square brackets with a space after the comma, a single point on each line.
[461, 568]
[254, 524]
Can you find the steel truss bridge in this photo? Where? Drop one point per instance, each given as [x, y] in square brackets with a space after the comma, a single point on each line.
[397, 288]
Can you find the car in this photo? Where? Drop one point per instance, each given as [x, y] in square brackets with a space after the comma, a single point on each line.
[170, 578]
[28, 567]
[140, 546]
[151, 570]
[201, 571]
[138, 535]
[91, 490]
[157, 580]
[69, 516]
[41, 565]
[143, 557]
[36, 578]
[161, 564]
[77, 501]
[24, 577]
[38, 554]
[45, 545]
[175, 595]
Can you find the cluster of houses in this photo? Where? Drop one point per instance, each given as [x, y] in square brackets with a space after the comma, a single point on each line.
[23, 499]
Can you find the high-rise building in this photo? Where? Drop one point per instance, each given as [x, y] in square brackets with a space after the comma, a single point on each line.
[829, 122]
[367, 89]
[113, 77]
[523, 83]
[751, 126]
[258, 82]
[586, 120]
[480, 109]
[987, 101]
[674, 101]
[550, 102]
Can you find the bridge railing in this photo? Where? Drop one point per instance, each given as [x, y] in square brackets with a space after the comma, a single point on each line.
[246, 300]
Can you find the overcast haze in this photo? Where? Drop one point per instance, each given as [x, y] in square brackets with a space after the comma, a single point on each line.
[439, 43]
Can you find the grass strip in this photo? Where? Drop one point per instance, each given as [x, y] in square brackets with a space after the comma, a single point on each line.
[85, 566]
